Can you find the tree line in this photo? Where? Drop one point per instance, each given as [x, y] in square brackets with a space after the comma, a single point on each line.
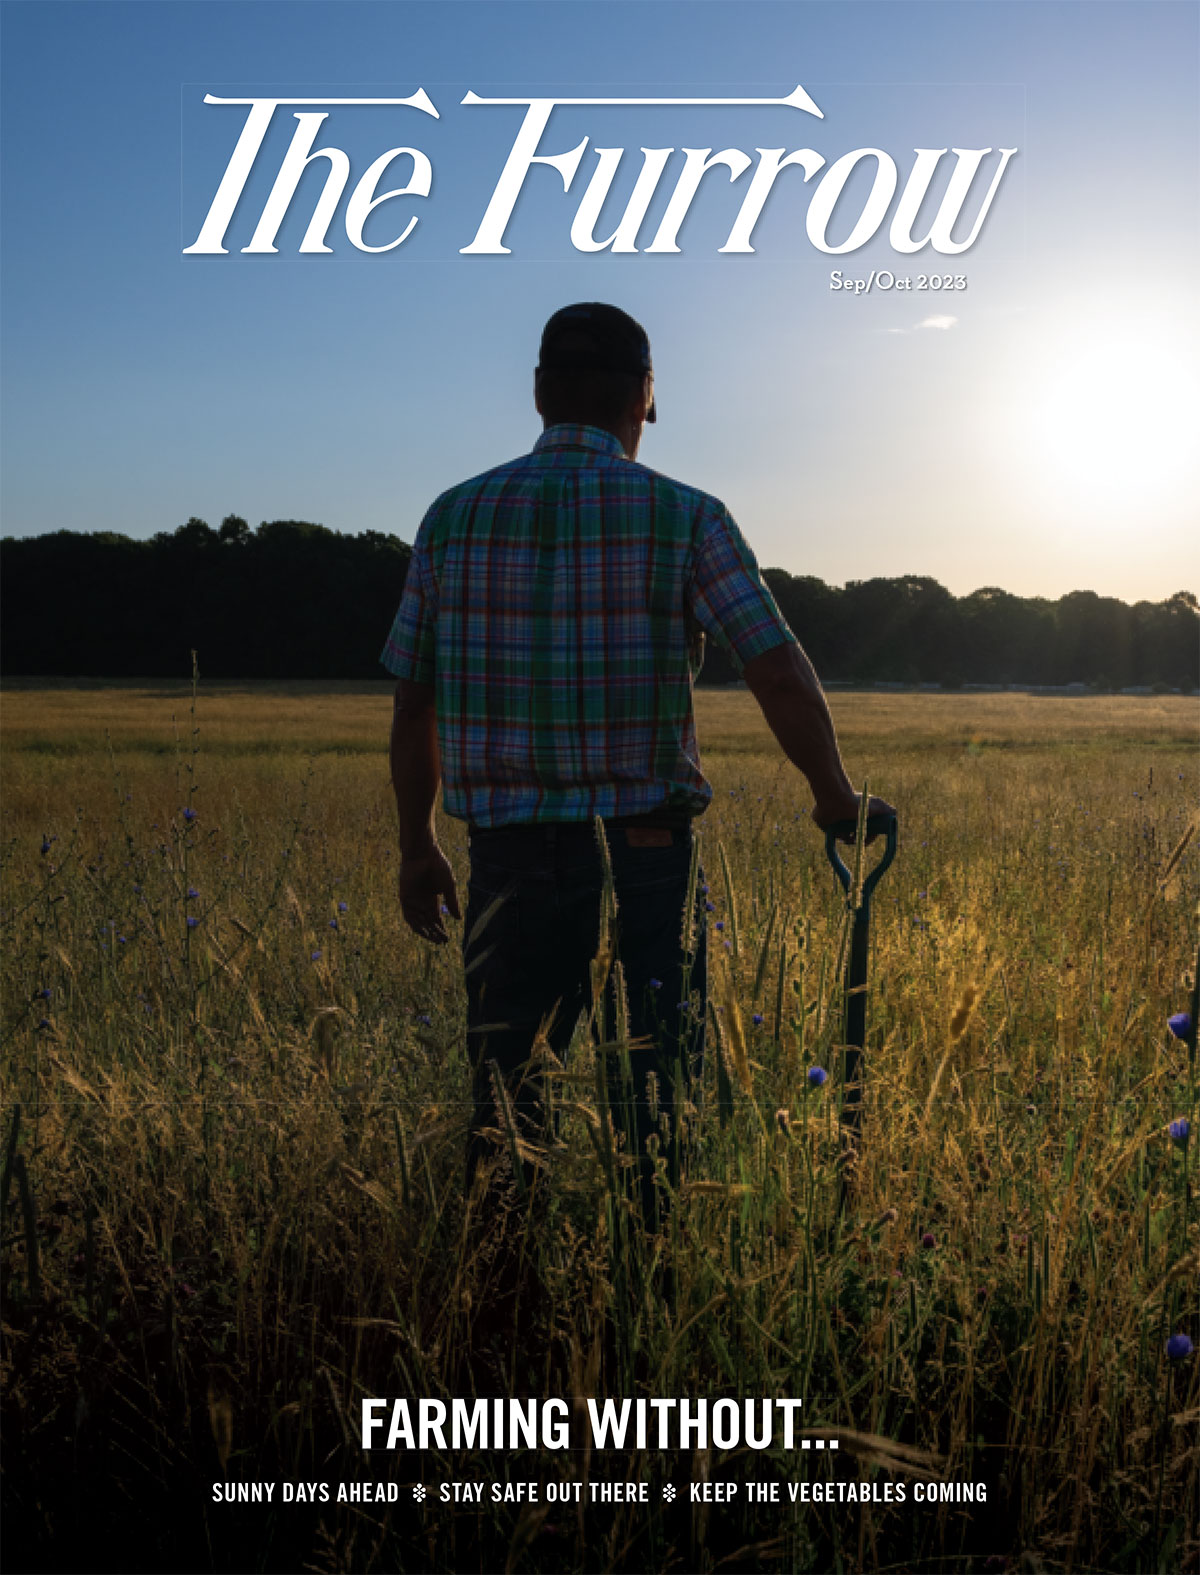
[297, 600]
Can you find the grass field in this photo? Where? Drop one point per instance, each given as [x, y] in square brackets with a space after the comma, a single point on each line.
[233, 1196]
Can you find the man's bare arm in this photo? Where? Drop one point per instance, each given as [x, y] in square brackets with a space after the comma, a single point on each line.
[425, 874]
[789, 693]
[416, 766]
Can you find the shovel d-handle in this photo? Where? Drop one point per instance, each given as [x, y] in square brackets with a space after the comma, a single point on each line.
[877, 826]
[854, 1033]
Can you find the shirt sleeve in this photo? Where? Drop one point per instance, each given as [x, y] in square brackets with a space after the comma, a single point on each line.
[411, 647]
[728, 595]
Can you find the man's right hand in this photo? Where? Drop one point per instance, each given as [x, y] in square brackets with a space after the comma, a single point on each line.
[847, 810]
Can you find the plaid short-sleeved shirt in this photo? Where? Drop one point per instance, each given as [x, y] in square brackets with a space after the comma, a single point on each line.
[555, 604]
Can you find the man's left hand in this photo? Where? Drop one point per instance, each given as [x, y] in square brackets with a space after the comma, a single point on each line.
[424, 878]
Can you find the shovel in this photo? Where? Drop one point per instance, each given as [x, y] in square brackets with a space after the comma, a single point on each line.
[854, 1032]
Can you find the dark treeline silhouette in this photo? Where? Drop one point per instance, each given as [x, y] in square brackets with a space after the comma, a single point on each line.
[296, 600]
[912, 630]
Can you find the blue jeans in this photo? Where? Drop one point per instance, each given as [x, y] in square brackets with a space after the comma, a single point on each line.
[531, 959]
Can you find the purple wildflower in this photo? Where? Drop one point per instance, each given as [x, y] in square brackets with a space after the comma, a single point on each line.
[192, 892]
[189, 814]
[655, 984]
[45, 993]
[710, 907]
[192, 922]
[43, 1022]
[333, 924]
[928, 1240]
[425, 1019]
[1179, 1348]
[757, 1019]
[1180, 1130]
[316, 956]
[719, 925]
[343, 907]
[817, 1075]
[1180, 1024]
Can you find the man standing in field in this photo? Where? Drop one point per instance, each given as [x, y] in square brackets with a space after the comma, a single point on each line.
[546, 646]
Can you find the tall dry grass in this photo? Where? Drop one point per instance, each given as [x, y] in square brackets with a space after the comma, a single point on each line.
[233, 1201]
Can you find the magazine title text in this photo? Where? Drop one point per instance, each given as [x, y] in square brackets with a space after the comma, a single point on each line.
[667, 181]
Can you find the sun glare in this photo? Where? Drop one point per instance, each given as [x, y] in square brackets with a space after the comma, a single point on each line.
[1116, 421]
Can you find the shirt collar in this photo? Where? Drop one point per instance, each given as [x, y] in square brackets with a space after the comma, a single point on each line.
[568, 435]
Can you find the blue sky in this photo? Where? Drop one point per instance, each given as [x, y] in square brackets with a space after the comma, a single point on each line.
[1034, 434]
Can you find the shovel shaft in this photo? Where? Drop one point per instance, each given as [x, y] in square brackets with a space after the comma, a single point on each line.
[856, 980]
[854, 1030]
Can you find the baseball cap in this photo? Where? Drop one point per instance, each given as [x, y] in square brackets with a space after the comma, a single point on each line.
[592, 336]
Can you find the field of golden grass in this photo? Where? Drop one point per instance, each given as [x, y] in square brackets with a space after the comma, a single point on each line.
[233, 1124]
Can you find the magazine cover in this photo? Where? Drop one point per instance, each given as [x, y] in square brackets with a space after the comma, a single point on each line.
[599, 899]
